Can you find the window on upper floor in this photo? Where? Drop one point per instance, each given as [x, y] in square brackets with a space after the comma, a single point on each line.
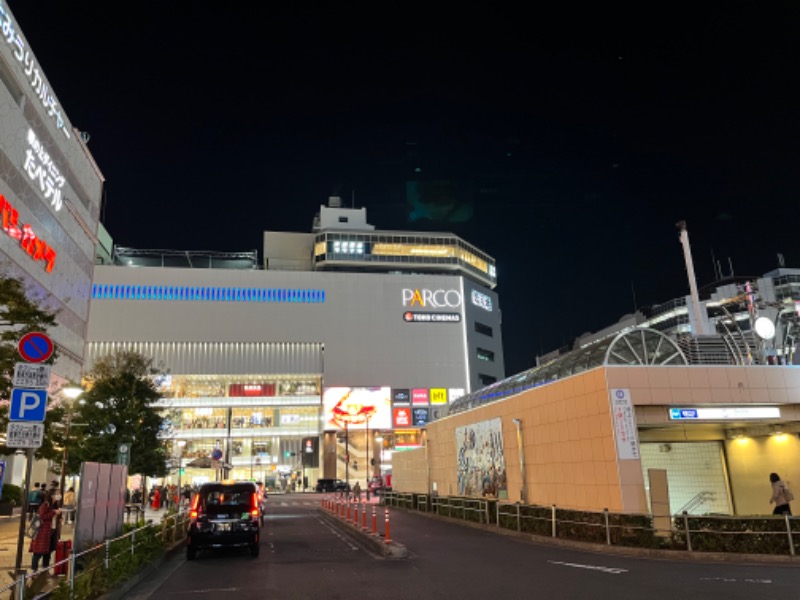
[484, 329]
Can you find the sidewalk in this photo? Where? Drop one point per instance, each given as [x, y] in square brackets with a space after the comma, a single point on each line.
[9, 536]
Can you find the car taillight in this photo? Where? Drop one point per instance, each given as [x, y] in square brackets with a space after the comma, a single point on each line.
[254, 509]
[193, 514]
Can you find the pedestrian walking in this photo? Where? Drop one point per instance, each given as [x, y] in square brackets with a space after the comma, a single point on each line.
[69, 505]
[34, 500]
[42, 544]
[781, 496]
[357, 492]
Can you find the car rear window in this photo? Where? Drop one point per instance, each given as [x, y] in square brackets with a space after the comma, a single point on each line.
[226, 499]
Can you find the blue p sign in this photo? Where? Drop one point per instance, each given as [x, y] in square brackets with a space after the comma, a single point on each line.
[28, 405]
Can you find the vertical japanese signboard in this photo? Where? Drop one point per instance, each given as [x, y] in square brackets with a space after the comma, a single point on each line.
[624, 420]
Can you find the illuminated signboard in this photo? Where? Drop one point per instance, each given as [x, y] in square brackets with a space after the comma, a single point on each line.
[455, 393]
[401, 397]
[357, 408]
[419, 397]
[426, 298]
[420, 417]
[40, 168]
[35, 76]
[438, 396]
[481, 300]
[37, 248]
[418, 317]
[725, 413]
[402, 417]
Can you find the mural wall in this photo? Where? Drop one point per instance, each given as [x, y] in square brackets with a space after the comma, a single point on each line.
[481, 462]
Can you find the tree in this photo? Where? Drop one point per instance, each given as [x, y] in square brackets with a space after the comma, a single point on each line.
[118, 408]
[22, 312]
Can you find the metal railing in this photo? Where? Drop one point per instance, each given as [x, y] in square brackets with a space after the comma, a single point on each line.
[775, 535]
[137, 547]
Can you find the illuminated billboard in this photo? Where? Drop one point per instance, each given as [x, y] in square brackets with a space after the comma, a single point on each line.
[357, 407]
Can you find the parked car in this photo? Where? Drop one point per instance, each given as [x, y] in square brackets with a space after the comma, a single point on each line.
[224, 514]
[377, 485]
[331, 485]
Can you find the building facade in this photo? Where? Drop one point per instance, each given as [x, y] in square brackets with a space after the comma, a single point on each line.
[323, 363]
[50, 197]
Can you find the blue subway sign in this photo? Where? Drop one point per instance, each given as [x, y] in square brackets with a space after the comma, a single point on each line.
[679, 414]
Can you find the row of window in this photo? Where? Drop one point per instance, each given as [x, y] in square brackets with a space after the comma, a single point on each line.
[214, 294]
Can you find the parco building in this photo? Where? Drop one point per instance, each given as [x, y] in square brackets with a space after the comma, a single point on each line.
[321, 361]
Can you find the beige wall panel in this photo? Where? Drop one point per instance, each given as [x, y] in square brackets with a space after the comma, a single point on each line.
[751, 460]
[409, 471]
[567, 441]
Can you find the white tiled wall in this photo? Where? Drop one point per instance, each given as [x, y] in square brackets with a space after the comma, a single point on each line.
[692, 468]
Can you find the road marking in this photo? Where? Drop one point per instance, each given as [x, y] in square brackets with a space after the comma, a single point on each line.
[208, 591]
[734, 580]
[337, 534]
[612, 570]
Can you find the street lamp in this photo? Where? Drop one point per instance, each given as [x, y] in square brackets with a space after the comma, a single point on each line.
[368, 465]
[379, 454]
[72, 392]
[181, 444]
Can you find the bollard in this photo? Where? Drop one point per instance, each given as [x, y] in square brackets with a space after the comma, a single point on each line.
[374, 522]
[133, 542]
[608, 529]
[355, 514]
[364, 518]
[386, 537]
[519, 520]
[789, 532]
[21, 582]
[72, 572]
[554, 520]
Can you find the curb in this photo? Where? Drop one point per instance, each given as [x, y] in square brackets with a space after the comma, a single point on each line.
[391, 549]
[629, 551]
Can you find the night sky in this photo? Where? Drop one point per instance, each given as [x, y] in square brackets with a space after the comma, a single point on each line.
[564, 145]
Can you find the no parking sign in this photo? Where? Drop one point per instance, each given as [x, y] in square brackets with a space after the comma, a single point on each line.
[35, 347]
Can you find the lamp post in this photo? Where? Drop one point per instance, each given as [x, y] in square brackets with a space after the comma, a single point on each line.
[378, 454]
[72, 392]
[368, 465]
[181, 444]
[523, 490]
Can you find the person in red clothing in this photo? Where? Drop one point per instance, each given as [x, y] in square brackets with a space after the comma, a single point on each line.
[41, 545]
[157, 499]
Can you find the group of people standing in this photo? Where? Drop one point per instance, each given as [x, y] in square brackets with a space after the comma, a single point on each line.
[45, 505]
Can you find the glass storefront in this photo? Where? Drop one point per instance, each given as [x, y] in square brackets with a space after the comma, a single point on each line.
[240, 427]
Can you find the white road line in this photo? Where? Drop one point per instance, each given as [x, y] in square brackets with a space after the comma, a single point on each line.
[208, 591]
[339, 535]
[734, 580]
[612, 570]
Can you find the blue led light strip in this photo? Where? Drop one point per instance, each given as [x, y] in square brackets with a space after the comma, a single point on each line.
[210, 294]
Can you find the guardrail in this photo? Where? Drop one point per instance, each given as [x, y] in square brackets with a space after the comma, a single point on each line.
[110, 562]
[774, 535]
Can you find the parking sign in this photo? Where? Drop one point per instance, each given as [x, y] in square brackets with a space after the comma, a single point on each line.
[28, 405]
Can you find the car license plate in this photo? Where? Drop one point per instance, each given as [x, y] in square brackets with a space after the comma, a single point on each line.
[223, 526]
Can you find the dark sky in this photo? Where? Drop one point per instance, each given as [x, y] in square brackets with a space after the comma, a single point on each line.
[564, 145]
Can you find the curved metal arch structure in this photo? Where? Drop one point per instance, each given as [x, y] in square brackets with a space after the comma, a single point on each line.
[642, 346]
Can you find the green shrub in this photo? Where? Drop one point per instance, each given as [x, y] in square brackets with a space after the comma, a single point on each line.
[12, 493]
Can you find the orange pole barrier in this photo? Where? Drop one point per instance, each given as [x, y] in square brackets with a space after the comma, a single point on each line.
[386, 538]
[364, 518]
[374, 522]
[355, 514]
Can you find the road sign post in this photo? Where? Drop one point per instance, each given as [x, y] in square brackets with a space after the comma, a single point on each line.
[26, 416]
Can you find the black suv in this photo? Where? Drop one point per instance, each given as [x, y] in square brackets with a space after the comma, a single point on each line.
[224, 514]
[331, 485]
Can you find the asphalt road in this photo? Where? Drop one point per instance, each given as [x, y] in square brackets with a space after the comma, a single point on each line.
[303, 556]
